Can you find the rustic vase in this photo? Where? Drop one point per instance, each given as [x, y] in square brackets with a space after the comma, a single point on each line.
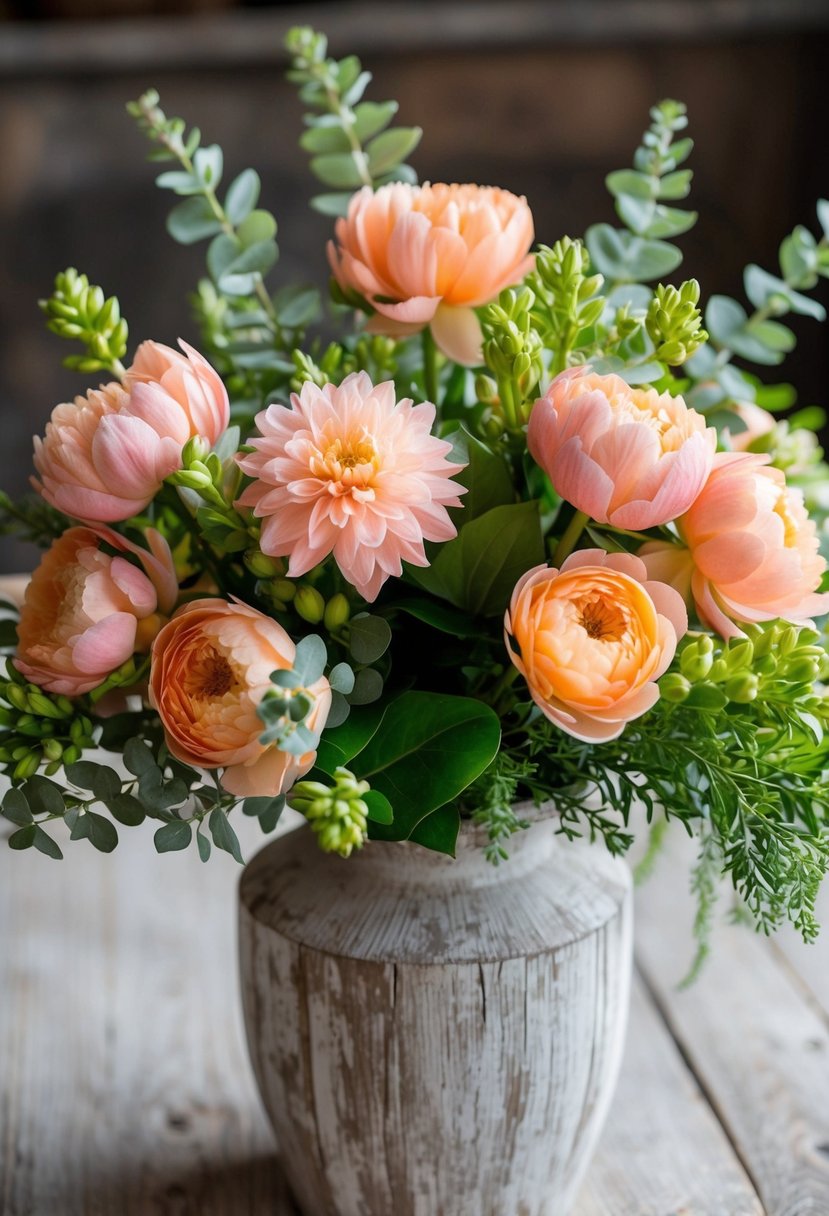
[435, 1037]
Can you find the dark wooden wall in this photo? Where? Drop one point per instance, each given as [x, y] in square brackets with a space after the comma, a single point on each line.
[544, 98]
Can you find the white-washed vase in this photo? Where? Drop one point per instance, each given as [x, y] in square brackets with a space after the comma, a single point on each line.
[436, 1037]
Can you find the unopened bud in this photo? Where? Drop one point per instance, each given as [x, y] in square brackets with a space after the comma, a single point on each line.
[261, 565]
[742, 688]
[674, 687]
[337, 612]
[309, 604]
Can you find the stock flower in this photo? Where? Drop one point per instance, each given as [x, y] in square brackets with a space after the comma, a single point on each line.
[752, 550]
[431, 254]
[633, 458]
[349, 471]
[86, 612]
[104, 457]
[211, 666]
[591, 639]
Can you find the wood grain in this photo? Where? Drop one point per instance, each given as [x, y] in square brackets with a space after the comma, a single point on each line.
[756, 1040]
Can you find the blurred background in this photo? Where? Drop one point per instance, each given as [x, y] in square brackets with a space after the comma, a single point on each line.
[544, 97]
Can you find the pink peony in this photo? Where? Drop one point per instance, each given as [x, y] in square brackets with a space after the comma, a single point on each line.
[592, 639]
[431, 254]
[349, 471]
[752, 550]
[211, 666]
[87, 612]
[104, 457]
[633, 458]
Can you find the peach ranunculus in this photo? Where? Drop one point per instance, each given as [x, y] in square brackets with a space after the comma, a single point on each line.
[211, 666]
[86, 612]
[350, 471]
[104, 456]
[630, 457]
[592, 638]
[749, 552]
[430, 255]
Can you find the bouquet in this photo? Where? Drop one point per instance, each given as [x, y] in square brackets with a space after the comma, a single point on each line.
[526, 529]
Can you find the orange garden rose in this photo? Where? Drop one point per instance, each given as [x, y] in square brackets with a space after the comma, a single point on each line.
[211, 666]
[592, 638]
[750, 550]
[430, 255]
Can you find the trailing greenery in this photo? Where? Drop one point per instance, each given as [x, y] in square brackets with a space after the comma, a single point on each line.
[350, 140]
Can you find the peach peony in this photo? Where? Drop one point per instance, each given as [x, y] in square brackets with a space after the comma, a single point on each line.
[752, 551]
[211, 666]
[349, 471]
[87, 612]
[757, 422]
[431, 254]
[591, 639]
[629, 457]
[104, 457]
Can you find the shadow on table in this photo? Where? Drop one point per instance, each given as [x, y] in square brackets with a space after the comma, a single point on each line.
[256, 1187]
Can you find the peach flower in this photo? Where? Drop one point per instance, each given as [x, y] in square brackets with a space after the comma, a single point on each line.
[591, 639]
[104, 457]
[752, 550]
[86, 612]
[211, 666]
[349, 471]
[630, 457]
[430, 255]
[757, 422]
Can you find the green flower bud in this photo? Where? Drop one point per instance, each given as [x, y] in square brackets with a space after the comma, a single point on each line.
[52, 750]
[309, 604]
[27, 766]
[674, 687]
[42, 705]
[338, 815]
[788, 639]
[742, 688]
[337, 612]
[739, 655]
[17, 697]
[282, 589]
[261, 565]
[71, 754]
[486, 389]
[800, 670]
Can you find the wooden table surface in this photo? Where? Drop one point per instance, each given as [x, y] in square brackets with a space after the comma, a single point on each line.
[125, 1088]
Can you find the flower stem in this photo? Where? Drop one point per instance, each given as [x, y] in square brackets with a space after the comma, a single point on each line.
[430, 367]
[570, 538]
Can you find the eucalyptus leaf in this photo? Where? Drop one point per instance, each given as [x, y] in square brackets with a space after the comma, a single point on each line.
[341, 678]
[258, 226]
[224, 837]
[23, 838]
[44, 843]
[16, 808]
[339, 170]
[173, 836]
[192, 220]
[371, 117]
[44, 795]
[390, 149]
[368, 687]
[242, 196]
[369, 637]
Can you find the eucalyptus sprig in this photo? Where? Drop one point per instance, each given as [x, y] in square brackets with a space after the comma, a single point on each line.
[350, 141]
[79, 311]
[640, 253]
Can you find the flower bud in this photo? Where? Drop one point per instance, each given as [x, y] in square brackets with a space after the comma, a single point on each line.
[261, 565]
[309, 604]
[337, 612]
[52, 750]
[742, 688]
[282, 589]
[674, 687]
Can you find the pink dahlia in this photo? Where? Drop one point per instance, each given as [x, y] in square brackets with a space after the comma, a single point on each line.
[350, 471]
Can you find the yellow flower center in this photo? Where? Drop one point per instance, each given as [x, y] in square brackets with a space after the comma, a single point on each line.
[601, 619]
[210, 676]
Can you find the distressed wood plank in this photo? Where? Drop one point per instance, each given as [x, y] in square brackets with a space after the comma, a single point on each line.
[759, 1046]
[662, 1150]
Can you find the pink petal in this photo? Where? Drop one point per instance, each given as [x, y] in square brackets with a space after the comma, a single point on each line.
[105, 645]
[457, 334]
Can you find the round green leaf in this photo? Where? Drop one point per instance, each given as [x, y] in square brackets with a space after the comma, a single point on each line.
[242, 196]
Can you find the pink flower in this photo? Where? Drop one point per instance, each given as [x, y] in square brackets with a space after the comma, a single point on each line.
[752, 550]
[104, 457]
[349, 471]
[431, 254]
[87, 612]
[592, 639]
[211, 666]
[629, 457]
[758, 422]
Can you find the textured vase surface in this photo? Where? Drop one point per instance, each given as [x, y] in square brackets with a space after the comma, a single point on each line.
[435, 1037]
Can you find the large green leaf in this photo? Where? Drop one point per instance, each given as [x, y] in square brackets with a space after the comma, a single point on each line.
[428, 748]
[439, 831]
[487, 478]
[479, 569]
[339, 746]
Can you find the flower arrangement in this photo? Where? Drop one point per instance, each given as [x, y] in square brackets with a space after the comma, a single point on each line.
[528, 529]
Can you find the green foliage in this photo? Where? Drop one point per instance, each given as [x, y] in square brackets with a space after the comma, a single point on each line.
[567, 297]
[492, 799]
[339, 813]
[674, 323]
[31, 519]
[641, 252]
[79, 311]
[758, 337]
[513, 353]
[248, 333]
[285, 708]
[38, 730]
[350, 140]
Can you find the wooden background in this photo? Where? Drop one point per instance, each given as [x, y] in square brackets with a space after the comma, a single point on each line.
[541, 96]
